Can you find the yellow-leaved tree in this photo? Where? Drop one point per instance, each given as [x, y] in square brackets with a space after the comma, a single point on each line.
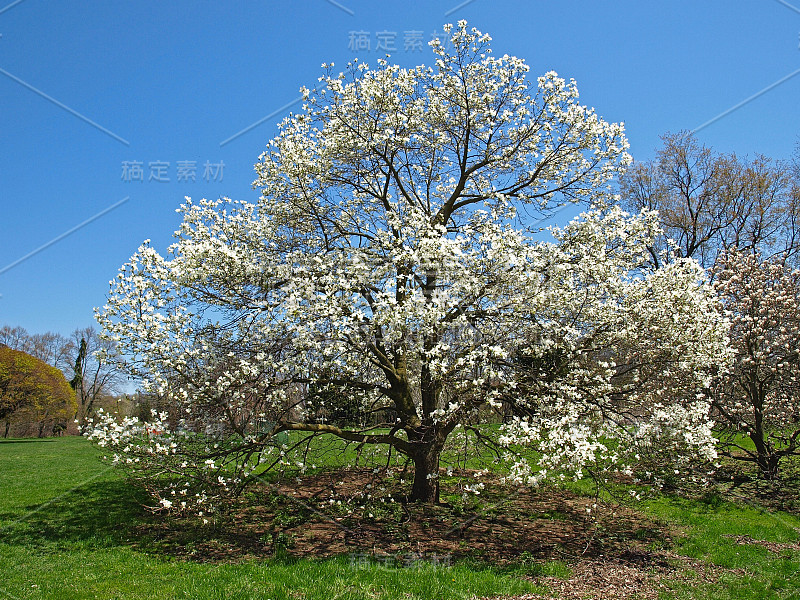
[34, 392]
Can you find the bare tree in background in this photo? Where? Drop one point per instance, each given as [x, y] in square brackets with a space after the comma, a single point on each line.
[793, 214]
[53, 348]
[84, 359]
[15, 338]
[710, 202]
[95, 374]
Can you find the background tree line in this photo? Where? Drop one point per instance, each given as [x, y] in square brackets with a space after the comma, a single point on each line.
[711, 202]
[49, 381]
[738, 217]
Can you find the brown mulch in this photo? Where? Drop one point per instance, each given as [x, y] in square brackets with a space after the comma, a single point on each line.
[775, 547]
[740, 482]
[509, 523]
[611, 550]
[618, 578]
[311, 518]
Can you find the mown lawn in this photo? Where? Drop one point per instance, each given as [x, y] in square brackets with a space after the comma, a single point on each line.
[67, 530]
[71, 528]
[758, 549]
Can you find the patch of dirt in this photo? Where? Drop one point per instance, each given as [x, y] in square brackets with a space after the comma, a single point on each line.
[647, 577]
[363, 514]
[775, 547]
[611, 551]
[740, 482]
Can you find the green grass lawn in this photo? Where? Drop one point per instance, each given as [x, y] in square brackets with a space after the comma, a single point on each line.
[71, 528]
[759, 548]
[67, 530]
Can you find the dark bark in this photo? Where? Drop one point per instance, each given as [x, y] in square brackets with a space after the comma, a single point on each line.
[427, 444]
[766, 458]
[768, 463]
[426, 475]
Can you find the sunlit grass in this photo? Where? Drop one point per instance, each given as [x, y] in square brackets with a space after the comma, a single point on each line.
[711, 530]
[69, 529]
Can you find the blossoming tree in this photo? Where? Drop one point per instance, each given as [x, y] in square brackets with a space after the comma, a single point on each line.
[390, 260]
[760, 397]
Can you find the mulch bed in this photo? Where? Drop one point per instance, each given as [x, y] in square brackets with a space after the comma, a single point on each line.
[617, 578]
[611, 550]
[341, 513]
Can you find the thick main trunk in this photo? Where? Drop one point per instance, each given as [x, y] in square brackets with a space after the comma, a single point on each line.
[426, 476]
[769, 466]
[767, 460]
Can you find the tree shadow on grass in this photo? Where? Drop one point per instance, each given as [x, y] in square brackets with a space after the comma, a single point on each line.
[27, 441]
[298, 520]
[99, 513]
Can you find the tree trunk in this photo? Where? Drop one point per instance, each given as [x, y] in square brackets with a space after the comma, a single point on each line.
[767, 460]
[426, 476]
[769, 466]
[8, 424]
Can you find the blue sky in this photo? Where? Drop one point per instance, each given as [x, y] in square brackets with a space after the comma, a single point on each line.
[89, 89]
